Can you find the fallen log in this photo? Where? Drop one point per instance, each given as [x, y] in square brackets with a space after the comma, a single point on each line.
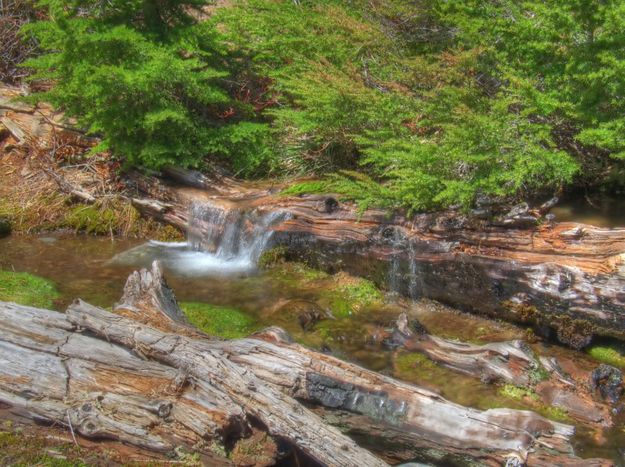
[565, 279]
[510, 362]
[105, 375]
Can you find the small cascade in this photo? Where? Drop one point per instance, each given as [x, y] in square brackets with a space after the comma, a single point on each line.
[396, 241]
[231, 234]
[415, 279]
[404, 271]
[221, 240]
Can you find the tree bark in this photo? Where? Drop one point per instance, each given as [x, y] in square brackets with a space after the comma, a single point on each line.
[108, 375]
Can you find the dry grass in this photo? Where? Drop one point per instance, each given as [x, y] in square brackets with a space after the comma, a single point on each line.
[36, 180]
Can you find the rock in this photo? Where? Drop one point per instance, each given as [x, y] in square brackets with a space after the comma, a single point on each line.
[481, 213]
[5, 227]
[514, 461]
[609, 381]
[404, 329]
[306, 312]
[518, 210]
[575, 333]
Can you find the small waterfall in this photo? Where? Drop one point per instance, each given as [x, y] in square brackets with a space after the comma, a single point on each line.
[231, 235]
[415, 279]
[221, 240]
[404, 271]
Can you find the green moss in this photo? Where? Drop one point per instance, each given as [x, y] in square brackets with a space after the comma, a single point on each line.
[272, 257]
[297, 274]
[608, 355]
[92, 220]
[363, 291]
[555, 413]
[219, 321]
[20, 450]
[408, 362]
[26, 289]
[517, 393]
[350, 298]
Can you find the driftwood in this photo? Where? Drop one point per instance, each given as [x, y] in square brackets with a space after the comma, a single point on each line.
[110, 376]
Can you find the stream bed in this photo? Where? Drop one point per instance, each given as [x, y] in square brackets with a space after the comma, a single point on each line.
[95, 269]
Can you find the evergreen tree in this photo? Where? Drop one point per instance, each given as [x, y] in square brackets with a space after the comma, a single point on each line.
[143, 74]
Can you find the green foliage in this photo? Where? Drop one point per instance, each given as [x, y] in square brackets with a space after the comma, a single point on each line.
[438, 102]
[147, 78]
[26, 289]
[219, 321]
[415, 105]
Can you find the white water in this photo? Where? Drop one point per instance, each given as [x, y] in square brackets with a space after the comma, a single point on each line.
[220, 241]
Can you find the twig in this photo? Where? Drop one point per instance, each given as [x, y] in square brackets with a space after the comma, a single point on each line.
[71, 429]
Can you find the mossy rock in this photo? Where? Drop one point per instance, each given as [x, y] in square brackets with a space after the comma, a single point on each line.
[5, 227]
[219, 321]
[351, 296]
[26, 289]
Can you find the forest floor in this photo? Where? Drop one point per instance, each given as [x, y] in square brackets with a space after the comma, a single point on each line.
[53, 183]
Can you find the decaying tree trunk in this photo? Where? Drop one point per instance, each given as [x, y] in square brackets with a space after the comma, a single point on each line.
[107, 375]
[511, 362]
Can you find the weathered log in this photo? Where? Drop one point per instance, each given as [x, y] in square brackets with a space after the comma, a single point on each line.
[106, 375]
[511, 362]
[147, 290]
[565, 278]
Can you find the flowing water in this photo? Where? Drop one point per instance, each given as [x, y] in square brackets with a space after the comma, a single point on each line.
[218, 267]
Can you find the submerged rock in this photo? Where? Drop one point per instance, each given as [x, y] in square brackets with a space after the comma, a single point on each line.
[308, 313]
[404, 329]
[609, 381]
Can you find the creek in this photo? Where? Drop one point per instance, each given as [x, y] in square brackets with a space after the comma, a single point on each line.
[219, 268]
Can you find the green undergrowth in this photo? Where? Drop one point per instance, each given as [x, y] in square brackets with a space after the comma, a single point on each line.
[219, 321]
[26, 289]
[20, 450]
[47, 212]
[607, 354]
